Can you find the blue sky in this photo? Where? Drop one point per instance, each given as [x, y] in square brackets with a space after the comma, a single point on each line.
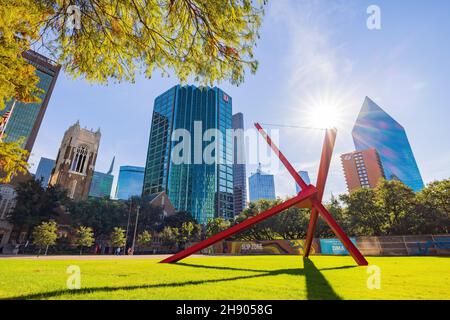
[309, 52]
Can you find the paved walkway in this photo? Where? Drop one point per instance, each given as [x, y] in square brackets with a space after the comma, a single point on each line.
[91, 257]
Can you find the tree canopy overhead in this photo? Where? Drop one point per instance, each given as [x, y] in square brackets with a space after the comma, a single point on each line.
[13, 160]
[19, 26]
[210, 40]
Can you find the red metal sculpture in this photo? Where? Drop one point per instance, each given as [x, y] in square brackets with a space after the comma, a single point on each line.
[309, 197]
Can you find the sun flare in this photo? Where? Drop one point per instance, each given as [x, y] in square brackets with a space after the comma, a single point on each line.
[326, 109]
[324, 116]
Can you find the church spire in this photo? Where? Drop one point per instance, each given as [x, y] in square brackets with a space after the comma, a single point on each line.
[111, 168]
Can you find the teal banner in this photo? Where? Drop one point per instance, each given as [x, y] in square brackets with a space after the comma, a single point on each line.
[334, 246]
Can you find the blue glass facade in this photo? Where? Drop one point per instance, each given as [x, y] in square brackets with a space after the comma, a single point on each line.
[130, 182]
[305, 176]
[374, 128]
[201, 188]
[44, 171]
[101, 185]
[261, 186]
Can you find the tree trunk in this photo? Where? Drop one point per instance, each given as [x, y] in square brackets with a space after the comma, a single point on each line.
[81, 251]
[46, 250]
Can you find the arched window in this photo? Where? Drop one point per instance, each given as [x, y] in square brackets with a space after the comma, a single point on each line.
[79, 160]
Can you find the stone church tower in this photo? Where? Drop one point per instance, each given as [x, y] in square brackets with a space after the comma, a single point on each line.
[75, 162]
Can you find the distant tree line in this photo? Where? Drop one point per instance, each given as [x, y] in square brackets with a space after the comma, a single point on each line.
[389, 209]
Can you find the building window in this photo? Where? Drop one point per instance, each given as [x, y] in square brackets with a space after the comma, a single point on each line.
[79, 160]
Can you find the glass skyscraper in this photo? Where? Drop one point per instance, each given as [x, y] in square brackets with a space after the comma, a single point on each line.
[305, 176]
[130, 182]
[239, 175]
[26, 118]
[261, 186]
[200, 187]
[101, 184]
[44, 171]
[374, 128]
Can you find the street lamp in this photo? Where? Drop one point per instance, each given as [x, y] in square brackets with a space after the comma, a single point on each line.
[128, 225]
[135, 229]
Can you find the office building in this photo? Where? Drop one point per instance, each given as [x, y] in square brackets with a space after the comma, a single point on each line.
[44, 171]
[375, 128]
[75, 162]
[130, 182]
[362, 169]
[193, 183]
[25, 118]
[101, 184]
[305, 176]
[239, 173]
[261, 186]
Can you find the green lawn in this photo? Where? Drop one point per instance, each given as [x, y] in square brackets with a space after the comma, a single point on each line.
[237, 277]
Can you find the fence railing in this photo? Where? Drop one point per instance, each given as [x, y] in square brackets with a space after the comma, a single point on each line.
[410, 245]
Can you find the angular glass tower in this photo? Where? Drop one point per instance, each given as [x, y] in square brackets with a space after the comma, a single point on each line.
[26, 118]
[374, 128]
[197, 186]
[261, 186]
[130, 182]
[44, 171]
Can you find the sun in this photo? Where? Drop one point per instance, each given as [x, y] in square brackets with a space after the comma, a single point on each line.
[325, 109]
[324, 116]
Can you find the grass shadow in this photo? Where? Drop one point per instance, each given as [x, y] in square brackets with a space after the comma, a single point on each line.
[57, 293]
[318, 288]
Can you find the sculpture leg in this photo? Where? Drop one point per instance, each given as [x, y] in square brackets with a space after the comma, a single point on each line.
[310, 233]
[306, 193]
[340, 234]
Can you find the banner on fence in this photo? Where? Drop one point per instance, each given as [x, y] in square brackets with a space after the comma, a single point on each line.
[334, 246]
[410, 245]
[293, 247]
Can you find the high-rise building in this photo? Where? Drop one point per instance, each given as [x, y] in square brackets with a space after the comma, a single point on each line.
[75, 162]
[130, 182]
[305, 176]
[374, 128]
[101, 184]
[239, 174]
[26, 118]
[197, 185]
[261, 186]
[362, 169]
[44, 171]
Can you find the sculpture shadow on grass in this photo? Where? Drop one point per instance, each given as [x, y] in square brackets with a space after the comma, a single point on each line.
[318, 287]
